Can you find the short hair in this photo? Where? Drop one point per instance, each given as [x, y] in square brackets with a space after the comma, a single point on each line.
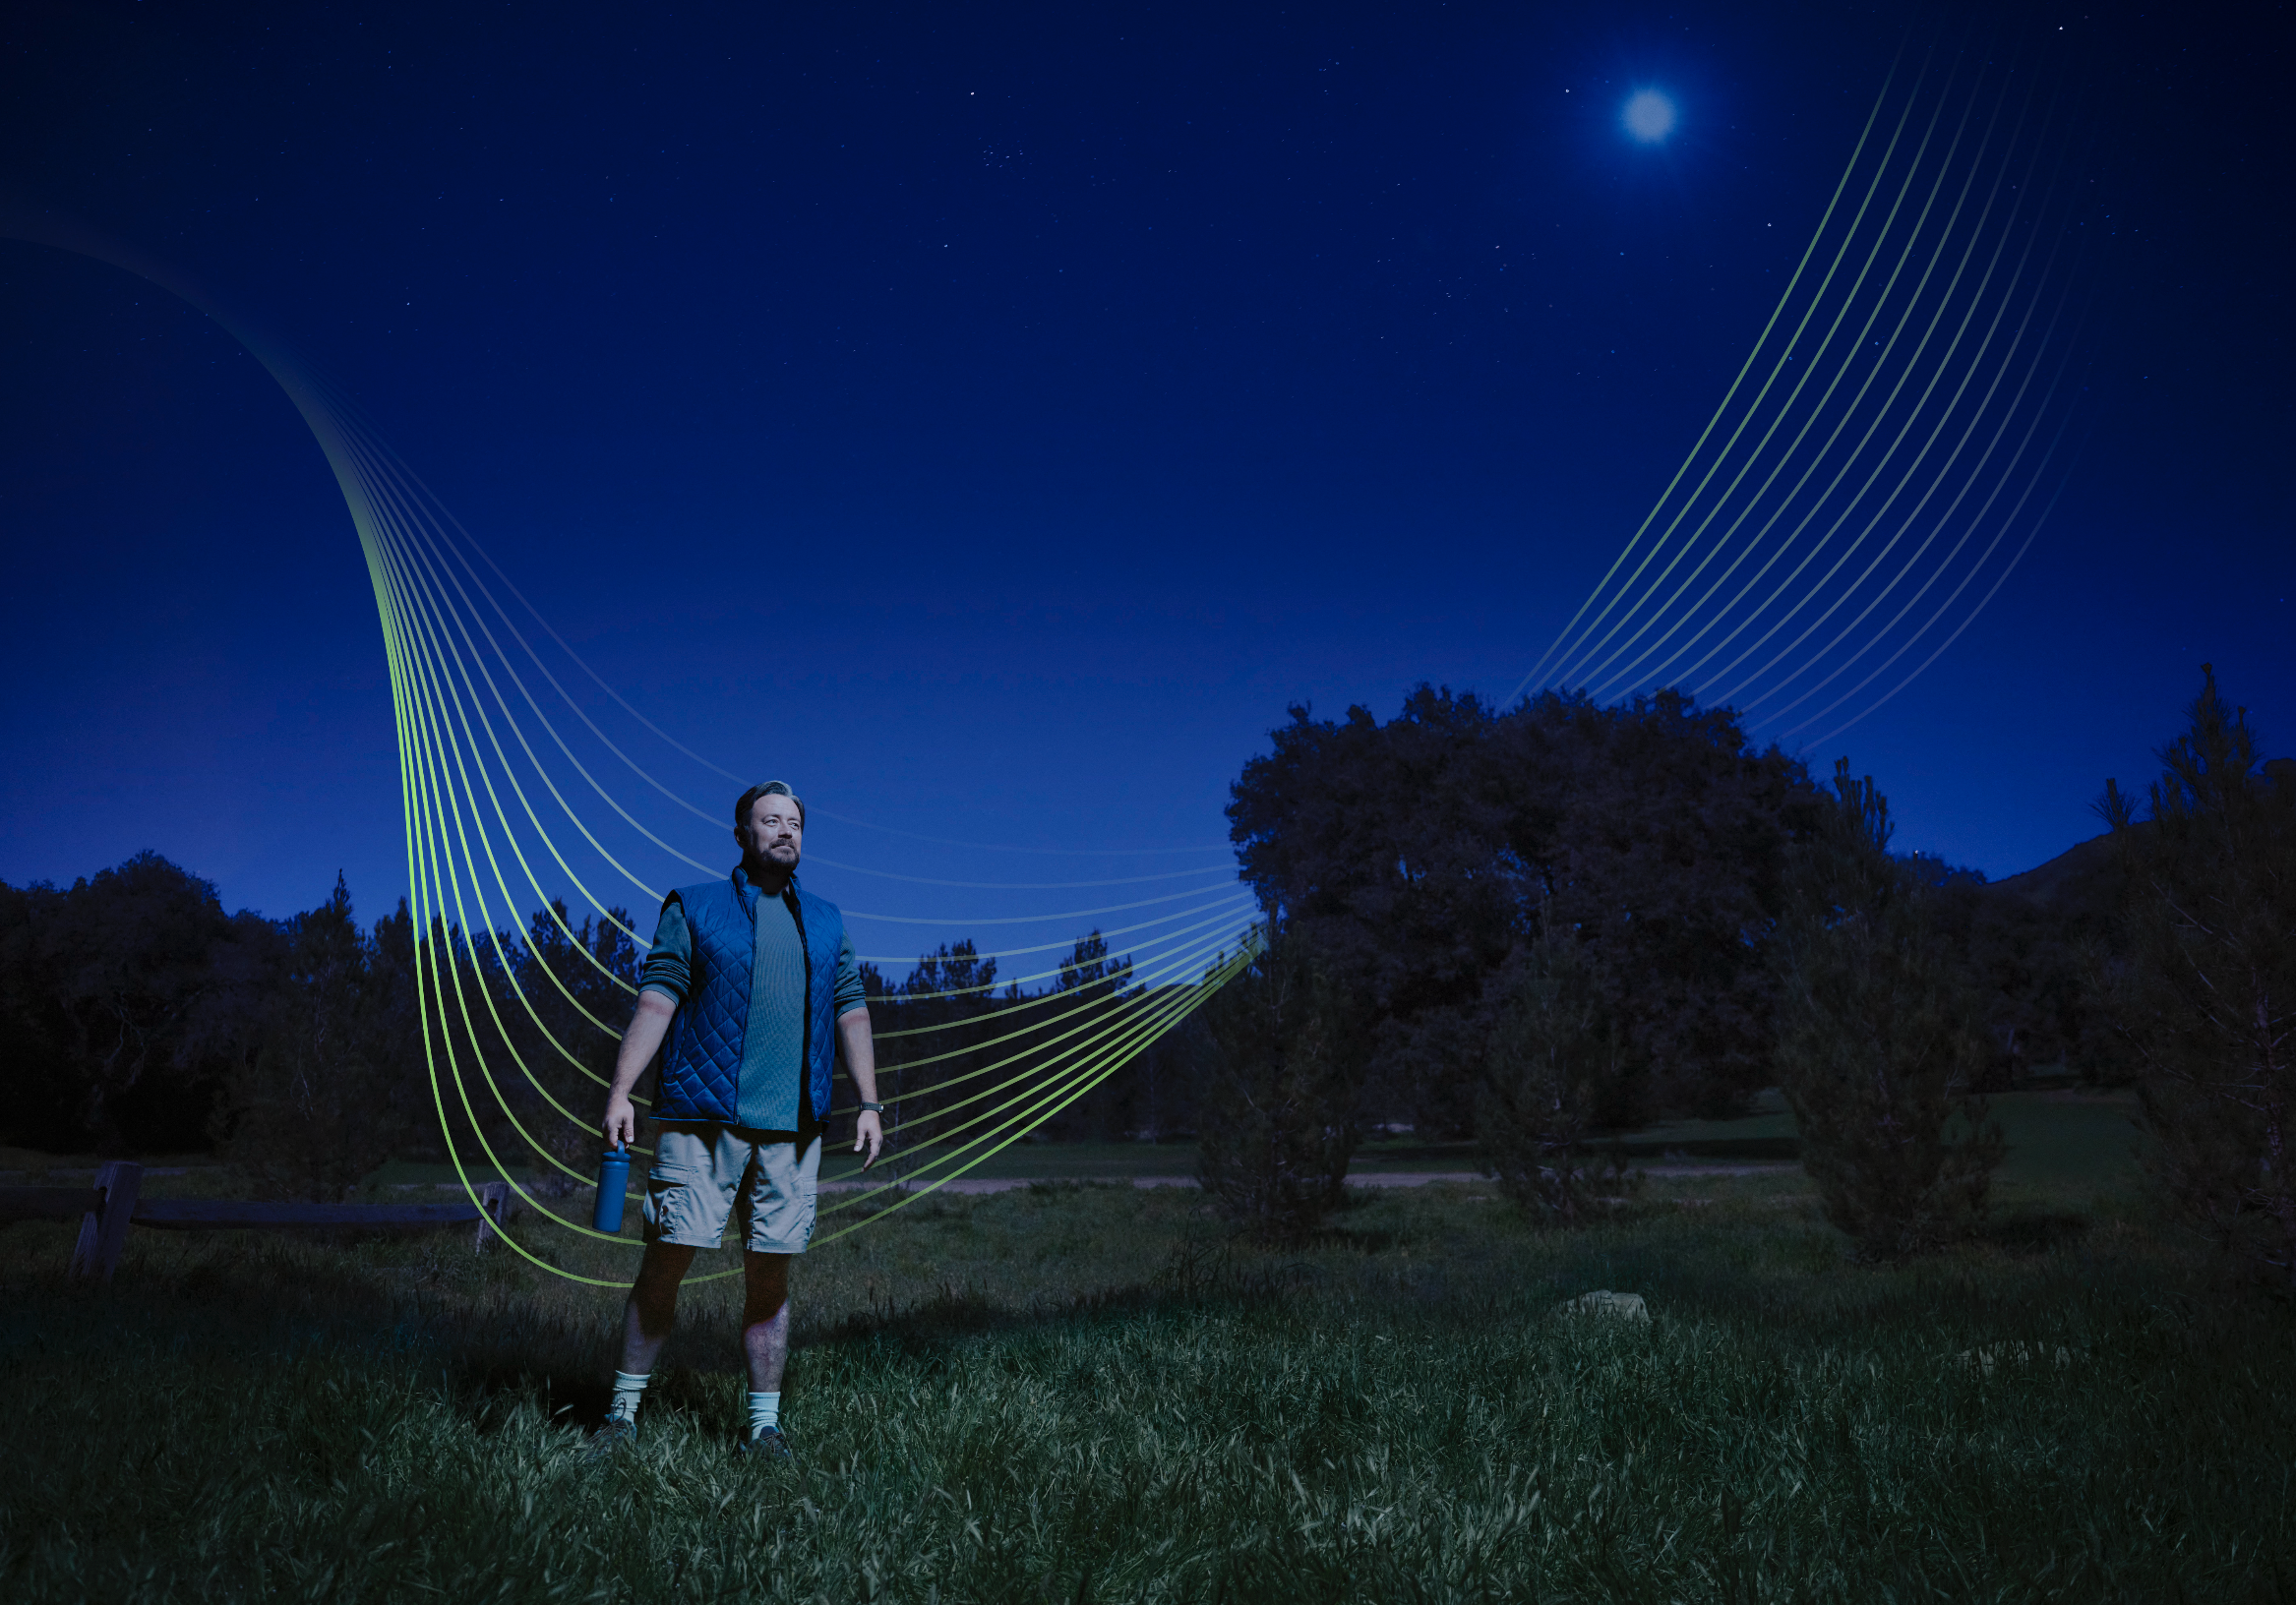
[772, 788]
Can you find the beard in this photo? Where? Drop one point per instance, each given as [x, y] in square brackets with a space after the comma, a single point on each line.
[778, 859]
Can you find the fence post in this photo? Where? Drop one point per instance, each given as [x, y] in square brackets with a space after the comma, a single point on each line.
[105, 1229]
[494, 1208]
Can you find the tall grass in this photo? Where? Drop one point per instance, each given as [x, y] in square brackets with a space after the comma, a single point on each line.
[1084, 1393]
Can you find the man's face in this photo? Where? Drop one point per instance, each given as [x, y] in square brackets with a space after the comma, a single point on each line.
[776, 832]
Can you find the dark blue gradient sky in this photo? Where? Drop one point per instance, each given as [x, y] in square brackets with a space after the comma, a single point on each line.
[990, 419]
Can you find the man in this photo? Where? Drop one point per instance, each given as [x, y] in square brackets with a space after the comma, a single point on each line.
[752, 985]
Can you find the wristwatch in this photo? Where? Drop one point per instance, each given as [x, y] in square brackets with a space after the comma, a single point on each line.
[874, 1109]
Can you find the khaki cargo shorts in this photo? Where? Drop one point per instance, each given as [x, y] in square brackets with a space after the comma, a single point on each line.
[704, 1174]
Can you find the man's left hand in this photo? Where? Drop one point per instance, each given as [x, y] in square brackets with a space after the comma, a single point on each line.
[869, 1131]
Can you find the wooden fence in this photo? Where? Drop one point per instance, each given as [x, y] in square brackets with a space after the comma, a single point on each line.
[106, 1210]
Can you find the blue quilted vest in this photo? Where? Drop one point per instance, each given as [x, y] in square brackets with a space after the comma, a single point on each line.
[701, 1059]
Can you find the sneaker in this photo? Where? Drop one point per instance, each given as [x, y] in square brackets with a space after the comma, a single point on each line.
[767, 1444]
[618, 1433]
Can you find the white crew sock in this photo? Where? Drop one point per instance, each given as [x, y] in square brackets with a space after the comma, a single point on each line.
[627, 1390]
[764, 1411]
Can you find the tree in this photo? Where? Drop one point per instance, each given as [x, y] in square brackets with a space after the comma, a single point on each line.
[125, 1002]
[567, 989]
[1414, 855]
[939, 1014]
[1286, 1075]
[1092, 1007]
[1667, 856]
[1876, 1053]
[319, 1106]
[1551, 1050]
[2206, 995]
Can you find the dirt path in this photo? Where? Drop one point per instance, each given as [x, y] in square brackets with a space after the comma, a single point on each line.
[1374, 1178]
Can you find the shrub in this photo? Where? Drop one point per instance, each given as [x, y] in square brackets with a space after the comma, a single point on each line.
[2205, 995]
[1285, 1073]
[1877, 1052]
[1550, 1055]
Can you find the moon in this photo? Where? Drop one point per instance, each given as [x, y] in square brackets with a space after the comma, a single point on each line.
[1649, 116]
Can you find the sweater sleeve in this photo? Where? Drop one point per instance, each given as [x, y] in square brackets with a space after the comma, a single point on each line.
[669, 968]
[851, 994]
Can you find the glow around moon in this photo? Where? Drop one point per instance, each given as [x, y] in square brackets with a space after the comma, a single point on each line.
[1649, 116]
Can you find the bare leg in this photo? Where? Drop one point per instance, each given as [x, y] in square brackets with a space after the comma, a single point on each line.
[652, 1309]
[765, 1320]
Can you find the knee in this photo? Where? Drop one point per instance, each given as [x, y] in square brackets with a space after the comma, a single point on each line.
[656, 1287]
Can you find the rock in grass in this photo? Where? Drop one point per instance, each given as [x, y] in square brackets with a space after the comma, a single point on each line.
[1619, 1306]
[1986, 1357]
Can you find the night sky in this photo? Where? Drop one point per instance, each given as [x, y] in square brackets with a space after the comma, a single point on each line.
[990, 420]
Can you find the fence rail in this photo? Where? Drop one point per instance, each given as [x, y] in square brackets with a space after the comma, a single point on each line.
[106, 1210]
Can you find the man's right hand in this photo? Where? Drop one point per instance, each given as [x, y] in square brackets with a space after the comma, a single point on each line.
[621, 1119]
[650, 1023]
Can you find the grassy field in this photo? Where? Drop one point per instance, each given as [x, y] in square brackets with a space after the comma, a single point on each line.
[1078, 1392]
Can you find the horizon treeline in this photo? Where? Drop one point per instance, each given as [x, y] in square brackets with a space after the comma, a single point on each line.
[137, 1016]
[1418, 858]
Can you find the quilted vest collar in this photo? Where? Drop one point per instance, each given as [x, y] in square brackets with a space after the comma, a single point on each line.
[748, 892]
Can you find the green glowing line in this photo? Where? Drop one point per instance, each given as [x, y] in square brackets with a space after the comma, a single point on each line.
[1106, 1034]
[445, 657]
[445, 517]
[471, 1026]
[1847, 364]
[478, 659]
[1145, 945]
[509, 972]
[1118, 1034]
[1785, 504]
[1199, 893]
[513, 1049]
[1723, 407]
[1732, 608]
[1969, 483]
[412, 569]
[1095, 1007]
[420, 852]
[1880, 416]
[1913, 417]
[436, 539]
[1784, 356]
[538, 1022]
[422, 541]
[2001, 484]
[1020, 885]
[2007, 569]
[1177, 1010]
[1238, 900]
[1145, 1030]
[1221, 914]
[448, 655]
[1146, 976]
[1976, 519]
[451, 817]
[1045, 998]
[517, 852]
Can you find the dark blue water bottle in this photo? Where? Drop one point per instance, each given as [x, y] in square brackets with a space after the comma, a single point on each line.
[613, 1185]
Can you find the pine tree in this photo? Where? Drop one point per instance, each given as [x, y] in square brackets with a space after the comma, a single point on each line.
[1876, 1050]
[2206, 996]
[317, 1108]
